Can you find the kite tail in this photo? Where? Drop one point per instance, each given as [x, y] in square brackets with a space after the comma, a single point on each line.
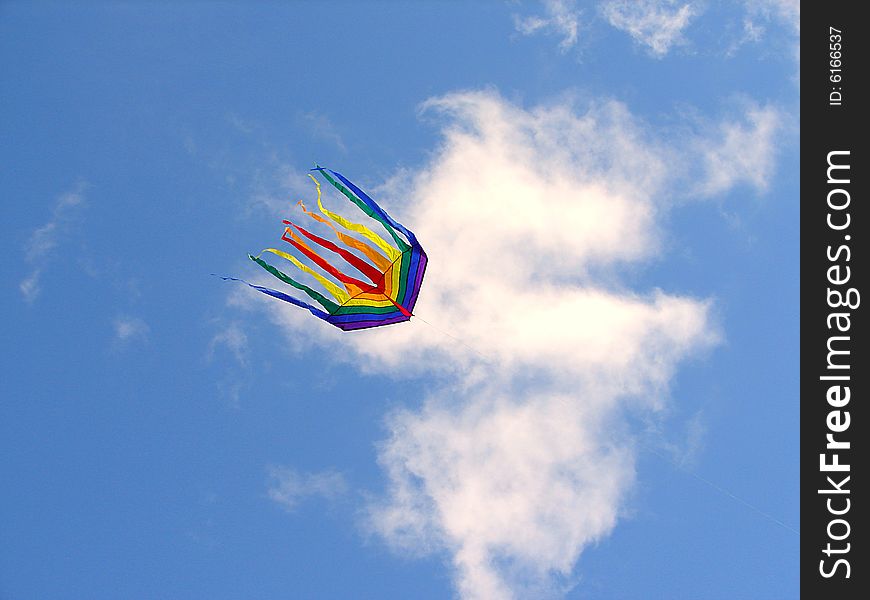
[282, 296]
[339, 294]
[376, 257]
[377, 209]
[329, 305]
[374, 212]
[352, 259]
[355, 227]
[321, 262]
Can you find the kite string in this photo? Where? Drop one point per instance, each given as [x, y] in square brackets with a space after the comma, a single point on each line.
[455, 339]
[720, 489]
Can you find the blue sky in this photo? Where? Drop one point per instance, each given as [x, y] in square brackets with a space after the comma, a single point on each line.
[168, 435]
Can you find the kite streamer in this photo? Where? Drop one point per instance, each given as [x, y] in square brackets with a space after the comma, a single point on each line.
[392, 272]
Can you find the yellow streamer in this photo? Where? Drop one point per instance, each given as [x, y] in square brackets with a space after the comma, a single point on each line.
[381, 261]
[340, 295]
[391, 252]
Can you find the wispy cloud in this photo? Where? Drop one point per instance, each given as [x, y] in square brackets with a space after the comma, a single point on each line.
[30, 287]
[561, 18]
[45, 239]
[787, 12]
[740, 150]
[656, 24]
[129, 328]
[696, 432]
[242, 125]
[288, 487]
[232, 337]
[279, 189]
[681, 449]
[322, 127]
[761, 14]
[752, 32]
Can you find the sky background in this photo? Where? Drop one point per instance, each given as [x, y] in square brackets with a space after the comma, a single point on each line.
[604, 401]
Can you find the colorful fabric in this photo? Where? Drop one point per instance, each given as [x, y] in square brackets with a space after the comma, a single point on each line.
[392, 272]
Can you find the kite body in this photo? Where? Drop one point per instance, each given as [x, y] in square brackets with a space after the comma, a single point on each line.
[387, 274]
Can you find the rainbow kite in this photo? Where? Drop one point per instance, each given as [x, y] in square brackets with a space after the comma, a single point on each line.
[394, 271]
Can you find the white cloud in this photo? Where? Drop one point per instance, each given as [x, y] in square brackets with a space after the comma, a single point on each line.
[740, 151]
[45, 239]
[288, 487]
[129, 328]
[657, 24]
[561, 18]
[524, 458]
[527, 482]
[510, 469]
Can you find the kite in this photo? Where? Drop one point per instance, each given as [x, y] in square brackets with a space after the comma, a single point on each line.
[394, 272]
